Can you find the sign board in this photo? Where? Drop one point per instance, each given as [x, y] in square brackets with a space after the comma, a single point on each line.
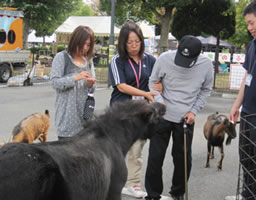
[224, 57]
[236, 76]
[238, 58]
[210, 55]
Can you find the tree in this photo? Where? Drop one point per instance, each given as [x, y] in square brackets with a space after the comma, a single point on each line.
[44, 16]
[189, 24]
[153, 11]
[241, 36]
[219, 21]
[83, 10]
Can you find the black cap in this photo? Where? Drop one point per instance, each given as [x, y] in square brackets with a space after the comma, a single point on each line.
[188, 50]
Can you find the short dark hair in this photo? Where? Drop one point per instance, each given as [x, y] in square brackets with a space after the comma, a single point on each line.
[123, 37]
[78, 39]
[250, 9]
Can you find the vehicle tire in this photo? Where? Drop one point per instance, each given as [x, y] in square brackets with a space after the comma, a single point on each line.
[5, 72]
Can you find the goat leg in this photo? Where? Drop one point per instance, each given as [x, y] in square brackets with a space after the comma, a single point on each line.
[212, 153]
[219, 166]
[208, 155]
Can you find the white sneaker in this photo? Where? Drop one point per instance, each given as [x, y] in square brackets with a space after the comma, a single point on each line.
[234, 197]
[134, 191]
[166, 198]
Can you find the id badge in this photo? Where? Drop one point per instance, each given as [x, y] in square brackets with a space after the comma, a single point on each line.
[137, 97]
[248, 80]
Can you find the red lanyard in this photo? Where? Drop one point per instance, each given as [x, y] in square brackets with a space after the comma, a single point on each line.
[135, 73]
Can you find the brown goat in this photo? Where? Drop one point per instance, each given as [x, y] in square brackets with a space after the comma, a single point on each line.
[33, 127]
[214, 131]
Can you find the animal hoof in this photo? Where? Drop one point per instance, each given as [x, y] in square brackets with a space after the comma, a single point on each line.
[207, 166]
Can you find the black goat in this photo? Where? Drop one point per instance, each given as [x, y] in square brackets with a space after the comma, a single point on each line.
[214, 131]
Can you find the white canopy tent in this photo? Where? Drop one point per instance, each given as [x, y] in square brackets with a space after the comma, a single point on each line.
[100, 25]
[170, 37]
[32, 38]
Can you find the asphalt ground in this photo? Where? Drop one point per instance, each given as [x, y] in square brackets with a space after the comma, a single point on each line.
[204, 184]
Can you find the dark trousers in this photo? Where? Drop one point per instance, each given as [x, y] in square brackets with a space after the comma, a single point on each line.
[247, 153]
[157, 150]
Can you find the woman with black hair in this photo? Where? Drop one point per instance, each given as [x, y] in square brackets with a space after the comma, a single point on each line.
[129, 72]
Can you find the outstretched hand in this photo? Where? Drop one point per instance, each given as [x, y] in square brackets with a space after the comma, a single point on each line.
[150, 96]
[233, 115]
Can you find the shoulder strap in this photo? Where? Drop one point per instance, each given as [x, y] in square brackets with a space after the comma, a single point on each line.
[66, 60]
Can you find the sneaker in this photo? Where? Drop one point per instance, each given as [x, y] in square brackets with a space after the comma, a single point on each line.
[239, 197]
[166, 198]
[134, 191]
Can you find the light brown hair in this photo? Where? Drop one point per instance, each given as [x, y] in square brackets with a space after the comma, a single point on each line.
[78, 39]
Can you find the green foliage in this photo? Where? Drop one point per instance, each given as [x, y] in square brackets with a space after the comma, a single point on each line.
[83, 10]
[149, 10]
[241, 37]
[218, 18]
[37, 49]
[44, 16]
[60, 48]
[186, 24]
[210, 17]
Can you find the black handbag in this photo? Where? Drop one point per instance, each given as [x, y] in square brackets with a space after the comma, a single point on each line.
[89, 107]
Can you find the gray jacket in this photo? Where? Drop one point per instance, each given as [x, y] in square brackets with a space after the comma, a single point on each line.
[184, 89]
[70, 94]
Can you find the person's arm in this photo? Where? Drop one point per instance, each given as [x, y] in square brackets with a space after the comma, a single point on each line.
[234, 113]
[156, 77]
[127, 89]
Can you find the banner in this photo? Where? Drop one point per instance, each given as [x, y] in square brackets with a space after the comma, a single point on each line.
[224, 57]
[236, 76]
[210, 55]
[238, 58]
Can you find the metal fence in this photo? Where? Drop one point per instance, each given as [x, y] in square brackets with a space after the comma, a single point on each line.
[227, 78]
[247, 150]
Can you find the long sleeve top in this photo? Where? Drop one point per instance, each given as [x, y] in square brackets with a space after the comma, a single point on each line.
[184, 89]
[70, 94]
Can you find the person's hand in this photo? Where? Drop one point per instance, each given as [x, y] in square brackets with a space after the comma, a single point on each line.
[90, 82]
[82, 75]
[189, 118]
[158, 86]
[233, 115]
[150, 96]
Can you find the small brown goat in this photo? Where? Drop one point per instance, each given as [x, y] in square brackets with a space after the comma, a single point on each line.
[214, 131]
[33, 127]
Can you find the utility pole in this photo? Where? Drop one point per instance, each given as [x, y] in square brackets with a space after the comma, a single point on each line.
[112, 36]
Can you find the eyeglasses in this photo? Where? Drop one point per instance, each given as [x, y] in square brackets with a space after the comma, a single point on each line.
[130, 42]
